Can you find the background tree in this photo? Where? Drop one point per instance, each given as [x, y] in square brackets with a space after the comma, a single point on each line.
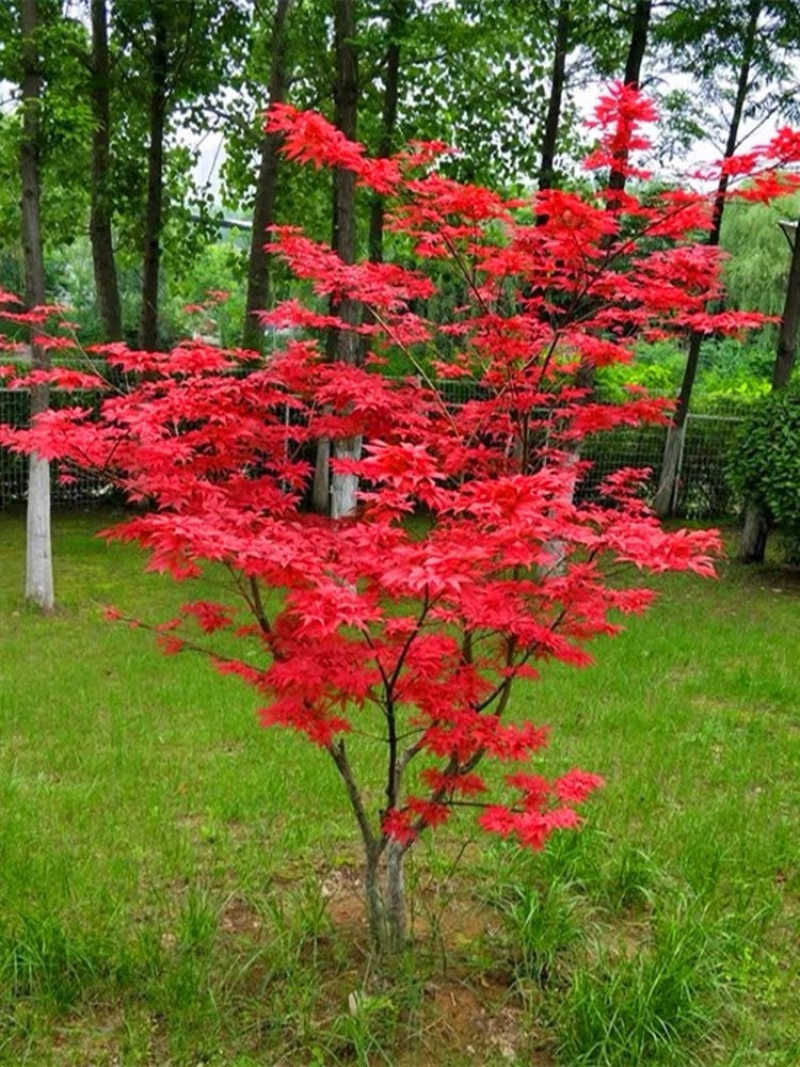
[64, 129]
[266, 192]
[334, 492]
[774, 470]
[173, 59]
[738, 40]
[106, 282]
[39, 568]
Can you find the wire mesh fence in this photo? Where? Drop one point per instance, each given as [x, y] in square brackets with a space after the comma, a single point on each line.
[703, 490]
[80, 489]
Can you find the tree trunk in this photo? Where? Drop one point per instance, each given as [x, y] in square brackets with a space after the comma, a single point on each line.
[632, 76]
[386, 899]
[553, 120]
[666, 494]
[790, 322]
[39, 563]
[342, 343]
[105, 268]
[585, 376]
[258, 274]
[159, 61]
[753, 544]
[666, 498]
[638, 42]
[384, 885]
[398, 15]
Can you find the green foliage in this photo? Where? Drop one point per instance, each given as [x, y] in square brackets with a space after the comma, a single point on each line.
[757, 270]
[734, 370]
[656, 368]
[730, 370]
[708, 40]
[765, 468]
[221, 267]
[65, 129]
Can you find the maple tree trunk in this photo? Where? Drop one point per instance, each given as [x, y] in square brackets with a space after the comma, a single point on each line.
[258, 273]
[386, 899]
[109, 307]
[155, 182]
[666, 494]
[336, 493]
[39, 563]
[384, 884]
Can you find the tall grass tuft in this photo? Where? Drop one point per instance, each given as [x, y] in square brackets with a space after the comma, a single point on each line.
[652, 1004]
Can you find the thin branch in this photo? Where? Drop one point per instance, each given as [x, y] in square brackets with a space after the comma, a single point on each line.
[339, 754]
[258, 606]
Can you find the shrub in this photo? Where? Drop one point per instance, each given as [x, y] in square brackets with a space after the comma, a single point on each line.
[765, 465]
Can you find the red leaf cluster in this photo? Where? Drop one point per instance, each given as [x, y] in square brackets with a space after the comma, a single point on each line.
[472, 557]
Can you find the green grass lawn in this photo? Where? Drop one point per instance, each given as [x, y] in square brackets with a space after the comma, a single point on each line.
[179, 886]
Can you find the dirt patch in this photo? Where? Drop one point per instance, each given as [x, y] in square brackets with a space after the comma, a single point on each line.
[238, 917]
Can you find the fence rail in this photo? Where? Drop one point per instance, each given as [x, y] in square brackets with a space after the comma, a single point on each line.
[703, 489]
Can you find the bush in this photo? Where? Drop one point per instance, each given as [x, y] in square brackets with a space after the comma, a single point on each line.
[765, 465]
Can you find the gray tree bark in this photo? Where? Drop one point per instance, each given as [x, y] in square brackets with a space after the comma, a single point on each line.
[338, 492]
[109, 306]
[154, 209]
[258, 273]
[384, 882]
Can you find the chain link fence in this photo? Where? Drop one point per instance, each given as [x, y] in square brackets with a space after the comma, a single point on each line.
[703, 490]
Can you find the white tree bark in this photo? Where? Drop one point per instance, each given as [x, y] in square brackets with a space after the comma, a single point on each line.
[667, 493]
[39, 568]
[344, 487]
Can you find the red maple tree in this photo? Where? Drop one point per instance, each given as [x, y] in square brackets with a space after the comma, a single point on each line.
[471, 557]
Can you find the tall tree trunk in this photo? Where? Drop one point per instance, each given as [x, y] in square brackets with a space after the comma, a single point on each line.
[397, 19]
[666, 495]
[632, 76]
[337, 493]
[258, 274]
[553, 119]
[585, 377]
[39, 562]
[753, 544]
[789, 331]
[154, 208]
[398, 16]
[105, 268]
